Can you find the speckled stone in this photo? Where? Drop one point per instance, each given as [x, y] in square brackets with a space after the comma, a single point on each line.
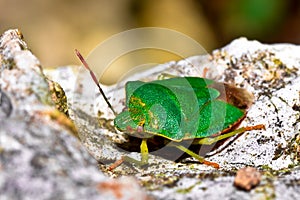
[39, 156]
[270, 72]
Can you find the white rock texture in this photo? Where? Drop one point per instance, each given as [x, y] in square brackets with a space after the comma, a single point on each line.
[39, 156]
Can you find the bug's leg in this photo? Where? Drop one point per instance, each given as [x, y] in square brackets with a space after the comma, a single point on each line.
[204, 73]
[196, 156]
[164, 76]
[116, 164]
[144, 152]
[209, 141]
[144, 157]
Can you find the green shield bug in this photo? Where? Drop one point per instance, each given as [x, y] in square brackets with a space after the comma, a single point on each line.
[183, 112]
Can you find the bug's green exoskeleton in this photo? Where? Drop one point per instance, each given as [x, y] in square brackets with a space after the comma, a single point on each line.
[181, 109]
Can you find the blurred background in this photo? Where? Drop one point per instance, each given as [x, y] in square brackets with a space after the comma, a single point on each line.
[53, 29]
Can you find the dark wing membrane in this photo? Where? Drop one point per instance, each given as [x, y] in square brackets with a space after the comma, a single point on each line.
[238, 97]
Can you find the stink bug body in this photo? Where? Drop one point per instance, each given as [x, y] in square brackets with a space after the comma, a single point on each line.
[182, 110]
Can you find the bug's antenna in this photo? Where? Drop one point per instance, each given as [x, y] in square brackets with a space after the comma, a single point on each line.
[94, 79]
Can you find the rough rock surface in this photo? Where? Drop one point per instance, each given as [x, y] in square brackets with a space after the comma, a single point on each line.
[270, 72]
[39, 156]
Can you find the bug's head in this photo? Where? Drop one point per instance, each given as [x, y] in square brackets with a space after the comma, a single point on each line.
[141, 117]
[123, 122]
[135, 117]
